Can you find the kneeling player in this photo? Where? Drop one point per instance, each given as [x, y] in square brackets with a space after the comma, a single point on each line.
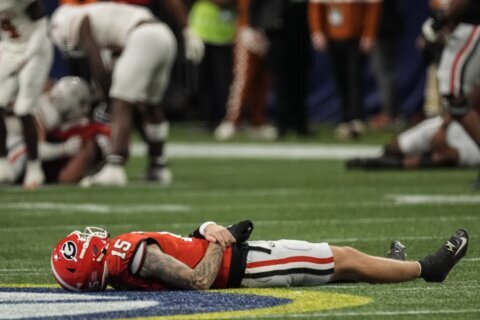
[419, 147]
[217, 257]
[70, 144]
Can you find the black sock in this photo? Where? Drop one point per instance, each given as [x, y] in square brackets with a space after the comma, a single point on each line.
[435, 267]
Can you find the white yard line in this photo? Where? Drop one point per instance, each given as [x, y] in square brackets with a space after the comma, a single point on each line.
[408, 199]
[298, 222]
[68, 208]
[263, 151]
[41, 208]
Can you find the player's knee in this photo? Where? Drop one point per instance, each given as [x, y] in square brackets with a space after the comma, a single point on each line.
[345, 258]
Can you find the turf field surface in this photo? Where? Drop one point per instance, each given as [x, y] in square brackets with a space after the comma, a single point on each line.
[314, 200]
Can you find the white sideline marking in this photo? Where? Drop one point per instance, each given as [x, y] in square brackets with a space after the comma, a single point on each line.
[95, 208]
[433, 199]
[262, 151]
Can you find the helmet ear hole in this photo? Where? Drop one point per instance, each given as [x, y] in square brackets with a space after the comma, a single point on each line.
[71, 270]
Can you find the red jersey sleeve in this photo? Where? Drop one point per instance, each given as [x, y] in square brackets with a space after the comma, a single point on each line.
[126, 253]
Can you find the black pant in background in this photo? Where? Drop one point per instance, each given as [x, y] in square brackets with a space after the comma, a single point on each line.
[289, 60]
[214, 83]
[347, 62]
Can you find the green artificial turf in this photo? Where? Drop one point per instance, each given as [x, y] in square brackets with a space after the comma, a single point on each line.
[310, 200]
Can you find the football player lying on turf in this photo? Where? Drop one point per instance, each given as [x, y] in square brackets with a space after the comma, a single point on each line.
[217, 257]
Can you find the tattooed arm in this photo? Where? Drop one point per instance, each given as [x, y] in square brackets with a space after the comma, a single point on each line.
[176, 274]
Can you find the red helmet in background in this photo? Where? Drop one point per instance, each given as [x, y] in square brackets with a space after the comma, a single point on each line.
[78, 262]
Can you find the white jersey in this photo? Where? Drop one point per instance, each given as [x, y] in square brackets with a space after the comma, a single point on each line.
[46, 114]
[110, 23]
[16, 25]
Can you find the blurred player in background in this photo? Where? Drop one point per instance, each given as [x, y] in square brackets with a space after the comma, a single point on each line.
[70, 143]
[25, 60]
[452, 139]
[140, 76]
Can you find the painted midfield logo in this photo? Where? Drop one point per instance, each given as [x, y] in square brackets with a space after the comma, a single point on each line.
[52, 304]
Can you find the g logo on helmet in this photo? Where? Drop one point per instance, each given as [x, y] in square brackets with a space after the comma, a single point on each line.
[69, 250]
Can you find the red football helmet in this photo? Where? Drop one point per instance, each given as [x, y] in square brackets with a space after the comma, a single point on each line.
[78, 262]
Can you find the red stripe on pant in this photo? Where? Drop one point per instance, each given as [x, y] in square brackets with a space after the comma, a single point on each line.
[456, 62]
[289, 260]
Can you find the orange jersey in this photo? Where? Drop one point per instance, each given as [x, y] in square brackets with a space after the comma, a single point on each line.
[126, 252]
[344, 19]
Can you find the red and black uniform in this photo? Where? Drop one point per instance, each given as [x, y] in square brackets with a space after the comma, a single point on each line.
[126, 254]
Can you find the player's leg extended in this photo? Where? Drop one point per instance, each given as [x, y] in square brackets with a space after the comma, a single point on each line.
[353, 265]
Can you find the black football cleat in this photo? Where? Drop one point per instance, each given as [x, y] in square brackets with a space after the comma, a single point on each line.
[397, 251]
[435, 267]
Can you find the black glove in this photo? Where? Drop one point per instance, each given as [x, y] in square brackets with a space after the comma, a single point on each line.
[241, 231]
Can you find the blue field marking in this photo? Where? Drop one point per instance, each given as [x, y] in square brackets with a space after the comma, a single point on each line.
[41, 303]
